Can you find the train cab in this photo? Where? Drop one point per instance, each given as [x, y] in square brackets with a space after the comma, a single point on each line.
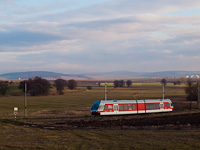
[95, 107]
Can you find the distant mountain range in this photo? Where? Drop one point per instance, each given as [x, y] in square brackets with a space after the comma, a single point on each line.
[120, 74]
[162, 74]
[43, 74]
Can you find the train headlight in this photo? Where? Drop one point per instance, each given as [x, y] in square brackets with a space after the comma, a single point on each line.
[100, 107]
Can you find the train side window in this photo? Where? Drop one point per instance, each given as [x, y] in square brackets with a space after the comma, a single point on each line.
[121, 107]
[125, 107]
[152, 106]
[130, 107]
[147, 105]
[134, 107]
[157, 106]
[166, 104]
[110, 106]
[105, 106]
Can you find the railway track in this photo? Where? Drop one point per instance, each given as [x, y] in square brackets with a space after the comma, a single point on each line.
[99, 122]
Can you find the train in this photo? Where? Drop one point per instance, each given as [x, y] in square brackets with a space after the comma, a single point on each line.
[125, 107]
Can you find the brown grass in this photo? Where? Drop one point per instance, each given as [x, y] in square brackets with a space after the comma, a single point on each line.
[75, 105]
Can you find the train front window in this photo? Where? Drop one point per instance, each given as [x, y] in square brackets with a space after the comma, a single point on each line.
[100, 107]
[95, 107]
[167, 105]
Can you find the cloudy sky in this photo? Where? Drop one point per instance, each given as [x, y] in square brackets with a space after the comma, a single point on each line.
[81, 36]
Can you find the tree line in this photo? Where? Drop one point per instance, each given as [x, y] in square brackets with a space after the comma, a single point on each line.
[39, 86]
[121, 83]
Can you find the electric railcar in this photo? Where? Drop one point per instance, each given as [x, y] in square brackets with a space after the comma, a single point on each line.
[123, 107]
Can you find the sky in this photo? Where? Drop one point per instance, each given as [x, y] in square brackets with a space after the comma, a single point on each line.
[86, 36]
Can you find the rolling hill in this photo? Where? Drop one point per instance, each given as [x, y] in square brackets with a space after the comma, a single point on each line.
[43, 74]
[102, 75]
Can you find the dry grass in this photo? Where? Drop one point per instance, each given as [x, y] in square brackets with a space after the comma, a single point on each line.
[19, 137]
[77, 103]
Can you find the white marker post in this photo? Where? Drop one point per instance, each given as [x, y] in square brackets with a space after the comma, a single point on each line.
[15, 112]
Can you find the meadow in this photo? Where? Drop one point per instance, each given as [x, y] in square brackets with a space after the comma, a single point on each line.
[75, 105]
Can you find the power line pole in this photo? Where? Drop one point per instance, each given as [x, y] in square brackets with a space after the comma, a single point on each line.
[198, 101]
[163, 84]
[25, 93]
[105, 92]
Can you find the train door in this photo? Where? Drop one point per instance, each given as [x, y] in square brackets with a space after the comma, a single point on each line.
[161, 106]
[115, 108]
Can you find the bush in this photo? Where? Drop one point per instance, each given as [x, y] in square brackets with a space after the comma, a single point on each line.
[89, 87]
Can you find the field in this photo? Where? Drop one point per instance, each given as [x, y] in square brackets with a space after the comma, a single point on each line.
[64, 121]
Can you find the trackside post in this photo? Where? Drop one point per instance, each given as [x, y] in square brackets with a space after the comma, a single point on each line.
[15, 112]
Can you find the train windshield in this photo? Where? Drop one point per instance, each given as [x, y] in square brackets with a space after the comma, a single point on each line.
[95, 105]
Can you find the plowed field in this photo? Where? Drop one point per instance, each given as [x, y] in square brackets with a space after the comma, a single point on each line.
[115, 122]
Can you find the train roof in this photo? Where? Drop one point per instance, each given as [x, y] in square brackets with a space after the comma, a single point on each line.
[134, 101]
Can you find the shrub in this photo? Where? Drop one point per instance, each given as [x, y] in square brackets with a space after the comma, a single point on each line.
[89, 87]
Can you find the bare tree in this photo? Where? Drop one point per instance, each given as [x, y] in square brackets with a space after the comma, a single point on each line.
[191, 91]
[163, 81]
[60, 85]
[3, 87]
[121, 83]
[116, 83]
[36, 86]
[72, 84]
[128, 83]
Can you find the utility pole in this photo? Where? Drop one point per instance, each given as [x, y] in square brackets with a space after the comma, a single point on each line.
[25, 93]
[105, 92]
[198, 100]
[163, 84]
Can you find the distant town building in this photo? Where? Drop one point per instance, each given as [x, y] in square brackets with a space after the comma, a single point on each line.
[193, 76]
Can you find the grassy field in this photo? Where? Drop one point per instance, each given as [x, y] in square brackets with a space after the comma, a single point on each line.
[81, 98]
[77, 103]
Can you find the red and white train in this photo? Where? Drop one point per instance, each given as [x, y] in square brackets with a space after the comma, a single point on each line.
[122, 107]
